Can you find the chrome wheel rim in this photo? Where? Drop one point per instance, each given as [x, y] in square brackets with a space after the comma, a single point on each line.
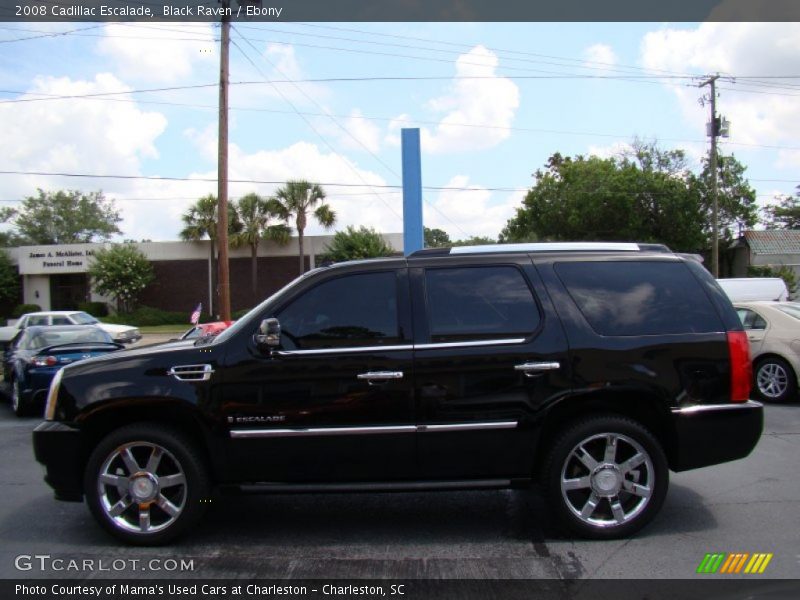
[607, 480]
[142, 487]
[772, 380]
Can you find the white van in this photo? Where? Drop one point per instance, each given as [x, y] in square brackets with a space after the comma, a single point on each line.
[755, 288]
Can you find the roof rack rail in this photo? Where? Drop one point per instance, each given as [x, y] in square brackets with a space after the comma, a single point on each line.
[545, 247]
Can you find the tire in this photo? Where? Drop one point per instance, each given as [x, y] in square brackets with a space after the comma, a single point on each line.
[18, 405]
[774, 380]
[153, 453]
[600, 495]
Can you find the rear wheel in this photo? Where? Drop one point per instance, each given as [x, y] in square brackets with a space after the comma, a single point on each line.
[606, 477]
[146, 484]
[775, 380]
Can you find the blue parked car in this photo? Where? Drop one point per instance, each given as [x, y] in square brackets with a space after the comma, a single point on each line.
[37, 353]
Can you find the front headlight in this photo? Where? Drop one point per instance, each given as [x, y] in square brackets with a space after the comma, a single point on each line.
[52, 396]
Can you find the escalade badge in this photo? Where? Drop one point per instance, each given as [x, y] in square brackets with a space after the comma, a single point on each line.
[258, 419]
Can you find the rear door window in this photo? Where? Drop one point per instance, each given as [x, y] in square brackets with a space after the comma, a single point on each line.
[750, 319]
[479, 303]
[628, 298]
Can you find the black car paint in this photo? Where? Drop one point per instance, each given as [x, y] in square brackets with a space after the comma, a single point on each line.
[255, 388]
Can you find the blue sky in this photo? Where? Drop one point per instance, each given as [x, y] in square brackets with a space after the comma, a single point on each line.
[493, 102]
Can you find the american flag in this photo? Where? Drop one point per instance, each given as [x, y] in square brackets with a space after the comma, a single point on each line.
[195, 318]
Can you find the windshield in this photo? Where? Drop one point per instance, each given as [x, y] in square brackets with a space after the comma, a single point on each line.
[242, 322]
[82, 318]
[790, 308]
[43, 339]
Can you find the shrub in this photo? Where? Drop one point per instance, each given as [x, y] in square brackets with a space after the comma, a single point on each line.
[96, 309]
[240, 313]
[121, 272]
[147, 316]
[21, 309]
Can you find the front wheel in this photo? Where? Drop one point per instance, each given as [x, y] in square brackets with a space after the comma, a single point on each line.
[606, 477]
[146, 484]
[775, 380]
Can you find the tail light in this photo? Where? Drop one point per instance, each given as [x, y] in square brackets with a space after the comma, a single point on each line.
[741, 367]
[45, 361]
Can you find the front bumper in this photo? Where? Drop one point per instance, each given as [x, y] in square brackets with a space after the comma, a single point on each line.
[59, 447]
[712, 434]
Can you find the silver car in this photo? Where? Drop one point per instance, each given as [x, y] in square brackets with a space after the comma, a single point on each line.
[773, 329]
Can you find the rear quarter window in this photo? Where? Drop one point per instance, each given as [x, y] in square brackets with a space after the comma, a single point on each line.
[629, 298]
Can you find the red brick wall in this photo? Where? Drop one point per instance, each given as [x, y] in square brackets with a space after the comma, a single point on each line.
[180, 284]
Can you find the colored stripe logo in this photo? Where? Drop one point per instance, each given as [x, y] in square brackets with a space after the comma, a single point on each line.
[734, 563]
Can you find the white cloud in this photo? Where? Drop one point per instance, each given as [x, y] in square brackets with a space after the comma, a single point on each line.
[165, 55]
[81, 136]
[277, 63]
[472, 212]
[762, 50]
[354, 132]
[600, 55]
[77, 135]
[491, 102]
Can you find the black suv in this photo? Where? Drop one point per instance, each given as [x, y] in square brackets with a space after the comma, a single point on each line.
[592, 368]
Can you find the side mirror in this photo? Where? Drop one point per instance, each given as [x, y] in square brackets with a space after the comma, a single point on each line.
[269, 334]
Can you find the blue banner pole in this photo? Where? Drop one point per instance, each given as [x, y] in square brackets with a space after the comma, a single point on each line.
[413, 238]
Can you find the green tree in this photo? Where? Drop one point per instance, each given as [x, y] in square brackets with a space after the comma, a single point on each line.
[257, 215]
[121, 272]
[436, 238]
[9, 279]
[647, 196]
[783, 271]
[355, 244]
[200, 222]
[66, 217]
[736, 199]
[786, 214]
[475, 240]
[298, 197]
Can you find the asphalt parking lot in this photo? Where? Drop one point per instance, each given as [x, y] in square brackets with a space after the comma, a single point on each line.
[747, 506]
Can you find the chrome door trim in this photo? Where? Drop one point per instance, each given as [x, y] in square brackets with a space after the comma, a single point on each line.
[343, 350]
[467, 426]
[701, 408]
[432, 346]
[476, 343]
[317, 431]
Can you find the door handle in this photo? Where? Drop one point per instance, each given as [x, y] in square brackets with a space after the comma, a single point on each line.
[373, 376]
[534, 369]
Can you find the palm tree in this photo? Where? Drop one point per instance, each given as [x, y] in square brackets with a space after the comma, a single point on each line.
[200, 221]
[298, 197]
[256, 214]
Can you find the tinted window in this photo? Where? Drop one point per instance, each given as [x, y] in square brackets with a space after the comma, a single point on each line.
[353, 310]
[475, 303]
[61, 320]
[639, 298]
[36, 320]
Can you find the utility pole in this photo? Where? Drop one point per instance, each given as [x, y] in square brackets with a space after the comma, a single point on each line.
[223, 280]
[714, 132]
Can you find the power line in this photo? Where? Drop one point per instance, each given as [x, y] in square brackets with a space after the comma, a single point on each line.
[537, 130]
[271, 182]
